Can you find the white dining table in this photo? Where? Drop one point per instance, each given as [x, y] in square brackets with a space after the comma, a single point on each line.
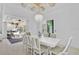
[48, 41]
[51, 42]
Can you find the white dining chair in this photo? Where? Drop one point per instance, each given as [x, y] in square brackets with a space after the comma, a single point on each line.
[65, 50]
[37, 48]
[28, 43]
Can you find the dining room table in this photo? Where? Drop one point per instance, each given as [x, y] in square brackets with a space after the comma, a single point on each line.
[49, 42]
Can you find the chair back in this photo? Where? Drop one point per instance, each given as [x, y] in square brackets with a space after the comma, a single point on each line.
[24, 39]
[27, 40]
[67, 46]
[36, 43]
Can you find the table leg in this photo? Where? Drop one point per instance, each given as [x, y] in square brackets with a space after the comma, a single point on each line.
[49, 52]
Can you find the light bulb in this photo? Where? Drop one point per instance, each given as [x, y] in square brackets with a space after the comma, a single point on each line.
[38, 17]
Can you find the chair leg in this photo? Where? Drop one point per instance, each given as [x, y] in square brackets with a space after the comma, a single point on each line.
[39, 52]
[27, 50]
[50, 52]
[32, 51]
[47, 52]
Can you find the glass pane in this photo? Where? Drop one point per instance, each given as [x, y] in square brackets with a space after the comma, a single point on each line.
[50, 26]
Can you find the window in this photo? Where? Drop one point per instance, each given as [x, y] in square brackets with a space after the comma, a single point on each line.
[50, 26]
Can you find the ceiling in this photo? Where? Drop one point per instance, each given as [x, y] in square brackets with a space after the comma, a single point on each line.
[15, 9]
